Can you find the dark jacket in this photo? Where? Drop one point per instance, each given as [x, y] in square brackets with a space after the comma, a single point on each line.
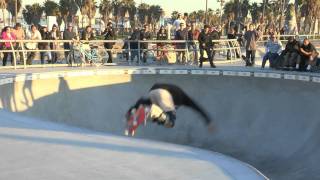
[135, 36]
[162, 36]
[87, 36]
[44, 36]
[144, 35]
[291, 47]
[205, 39]
[251, 38]
[109, 35]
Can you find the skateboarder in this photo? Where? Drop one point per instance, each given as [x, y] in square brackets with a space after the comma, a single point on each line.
[163, 100]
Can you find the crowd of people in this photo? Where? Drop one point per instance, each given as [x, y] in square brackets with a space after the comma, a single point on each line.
[188, 38]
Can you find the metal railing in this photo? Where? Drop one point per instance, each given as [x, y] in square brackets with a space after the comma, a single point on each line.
[223, 45]
[228, 44]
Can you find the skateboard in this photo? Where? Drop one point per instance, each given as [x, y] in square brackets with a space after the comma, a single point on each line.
[135, 118]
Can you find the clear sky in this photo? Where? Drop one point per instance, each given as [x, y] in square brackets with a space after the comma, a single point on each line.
[169, 5]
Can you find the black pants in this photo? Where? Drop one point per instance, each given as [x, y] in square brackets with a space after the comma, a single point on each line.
[30, 58]
[250, 57]
[210, 53]
[109, 47]
[5, 58]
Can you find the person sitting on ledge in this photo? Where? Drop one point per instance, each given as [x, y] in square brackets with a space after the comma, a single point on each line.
[273, 47]
[308, 56]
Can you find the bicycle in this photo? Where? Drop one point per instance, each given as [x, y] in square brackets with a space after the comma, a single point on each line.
[82, 53]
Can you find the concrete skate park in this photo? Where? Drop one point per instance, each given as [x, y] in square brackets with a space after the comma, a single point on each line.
[68, 123]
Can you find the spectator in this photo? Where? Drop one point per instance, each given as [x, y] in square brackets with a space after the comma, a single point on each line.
[232, 35]
[54, 35]
[20, 35]
[251, 37]
[289, 55]
[135, 37]
[308, 56]
[273, 48]
[177, 22]
[34, 34]
[193, 35]
[181, 34]
[6, 34]
[87, 34]
[145, 34]
[205, 41]
[161, 35]
[109, 35]
[68, 35]
[45, 35]
[215, 35]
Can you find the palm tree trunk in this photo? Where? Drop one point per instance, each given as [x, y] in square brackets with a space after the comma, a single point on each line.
[4, 18]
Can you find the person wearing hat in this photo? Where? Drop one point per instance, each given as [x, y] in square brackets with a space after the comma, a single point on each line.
[109, 35]
[273, 49]
[68, 34]
[206, 45]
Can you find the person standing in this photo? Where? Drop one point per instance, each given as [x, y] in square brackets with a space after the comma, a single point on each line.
[45, 35]
[145, 34]
[54, 35]
[251, 37]
[181, 35]
[20, 35]
[232, 35]
[68, 34]
[162, 36]
[34, 34]
[193, 35]
[7, 35]
[177, 22]
[206, 45]
[109, 35]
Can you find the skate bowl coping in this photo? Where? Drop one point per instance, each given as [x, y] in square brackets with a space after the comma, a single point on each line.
[266, 119]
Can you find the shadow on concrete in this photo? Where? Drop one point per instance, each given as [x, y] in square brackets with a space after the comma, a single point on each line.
[268, 123]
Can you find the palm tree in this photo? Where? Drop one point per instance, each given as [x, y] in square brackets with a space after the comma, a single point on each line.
[3, 6]
[11, 7]
[130, 7]
[89, 9]
[155, 12]
[32, 13]
[116, 4]
[52, 8]
[143, 12]
[105, 10]
[68, 10]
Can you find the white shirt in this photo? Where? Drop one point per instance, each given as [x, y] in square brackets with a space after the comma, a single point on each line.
[177, 23]
[33, 36]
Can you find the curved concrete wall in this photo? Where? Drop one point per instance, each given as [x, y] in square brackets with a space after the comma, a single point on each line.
[270, 123]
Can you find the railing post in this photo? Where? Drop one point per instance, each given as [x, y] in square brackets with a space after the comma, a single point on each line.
[139, 52]
[129, 51]
[13, 56]
[24, 56]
